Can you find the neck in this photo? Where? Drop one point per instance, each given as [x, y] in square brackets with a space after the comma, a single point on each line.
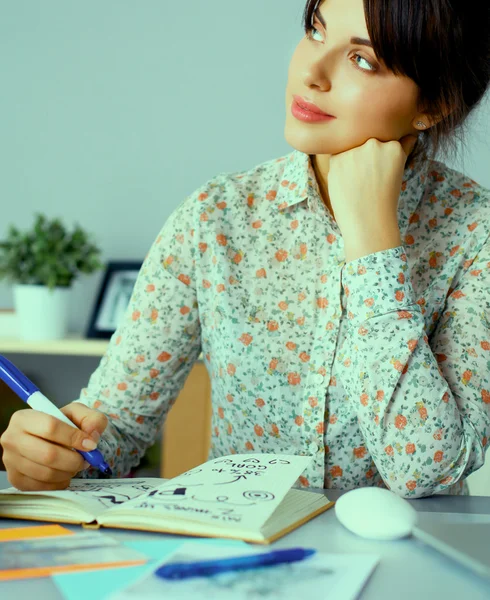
[320, 164]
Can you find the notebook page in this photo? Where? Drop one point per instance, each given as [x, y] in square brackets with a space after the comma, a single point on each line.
[239, 491]
[297, 505]
[93, 496]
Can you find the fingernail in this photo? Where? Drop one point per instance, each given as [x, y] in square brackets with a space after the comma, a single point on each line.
[95, 435]
[86, 464]
[89, 444]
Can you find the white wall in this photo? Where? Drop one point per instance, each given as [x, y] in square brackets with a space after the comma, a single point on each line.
[114, 111]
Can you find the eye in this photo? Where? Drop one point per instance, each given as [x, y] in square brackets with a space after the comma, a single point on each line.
[371, 67]
[311, 31]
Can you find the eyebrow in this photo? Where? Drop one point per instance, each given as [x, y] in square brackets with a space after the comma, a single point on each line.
[354, 40]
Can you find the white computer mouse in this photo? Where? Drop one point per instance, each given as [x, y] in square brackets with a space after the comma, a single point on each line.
[376, 513]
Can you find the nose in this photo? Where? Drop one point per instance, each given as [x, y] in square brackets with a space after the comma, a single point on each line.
[316, 76]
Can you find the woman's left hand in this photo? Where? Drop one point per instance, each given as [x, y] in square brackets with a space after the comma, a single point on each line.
[364, 185]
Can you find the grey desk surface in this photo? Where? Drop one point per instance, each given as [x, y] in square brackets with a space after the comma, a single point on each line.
[407, 568]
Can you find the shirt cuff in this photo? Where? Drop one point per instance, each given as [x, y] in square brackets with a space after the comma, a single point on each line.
[377, 284]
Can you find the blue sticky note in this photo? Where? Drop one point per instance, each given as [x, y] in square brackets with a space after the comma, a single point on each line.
[98, 585]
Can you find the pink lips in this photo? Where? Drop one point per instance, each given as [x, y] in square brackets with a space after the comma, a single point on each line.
[309, 106]
[308, 112]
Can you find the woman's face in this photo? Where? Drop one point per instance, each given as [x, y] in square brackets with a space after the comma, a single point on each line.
[345, 80]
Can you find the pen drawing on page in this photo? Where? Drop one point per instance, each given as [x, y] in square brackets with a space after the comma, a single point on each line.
[179, 494]
[243, 489]
[109, 493]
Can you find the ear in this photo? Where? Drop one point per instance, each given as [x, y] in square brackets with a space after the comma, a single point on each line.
[423, 122]
[429, 119]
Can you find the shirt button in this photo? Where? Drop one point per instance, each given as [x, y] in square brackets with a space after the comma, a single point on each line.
[318, 379]
[313, 448]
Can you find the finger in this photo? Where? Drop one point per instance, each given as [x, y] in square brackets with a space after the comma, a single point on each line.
[42, 473]
[27, 484]
[408, 143]
[51, 455]
[50, 428]
[88, 419]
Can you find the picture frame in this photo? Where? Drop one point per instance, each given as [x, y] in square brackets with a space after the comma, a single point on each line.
[113, 298]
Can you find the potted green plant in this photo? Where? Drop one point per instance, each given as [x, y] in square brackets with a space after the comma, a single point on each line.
[42, 264]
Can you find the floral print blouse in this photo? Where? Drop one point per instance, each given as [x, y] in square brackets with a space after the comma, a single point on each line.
[378, 368]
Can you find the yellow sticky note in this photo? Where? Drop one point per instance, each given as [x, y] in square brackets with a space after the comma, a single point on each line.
[38, 531]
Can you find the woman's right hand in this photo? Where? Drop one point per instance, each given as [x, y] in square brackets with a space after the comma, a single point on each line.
[38, 448]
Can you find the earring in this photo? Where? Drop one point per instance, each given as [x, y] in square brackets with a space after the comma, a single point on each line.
[421, 124]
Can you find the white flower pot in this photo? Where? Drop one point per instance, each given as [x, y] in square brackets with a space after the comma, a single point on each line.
[42, 313]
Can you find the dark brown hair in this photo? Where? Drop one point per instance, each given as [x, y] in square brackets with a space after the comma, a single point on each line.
[444, 47]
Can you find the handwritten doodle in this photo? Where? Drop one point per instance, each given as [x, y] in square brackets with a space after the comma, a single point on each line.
[242, 465]
[115, 498]
[111, 499]
[180, 491]
[167, 501]
[222, 499]
[192, 472]
[171, 507]
[143, 487]
[110, 493]
[216, 513]
[177, 494]
[227, 515]
[241, 468]
[244, 496]
[255, 496]
[93, 489]
[259, 496]
[239, 475]
[92, 486]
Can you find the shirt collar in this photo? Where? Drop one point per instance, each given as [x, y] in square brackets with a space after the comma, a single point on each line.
[298, 183]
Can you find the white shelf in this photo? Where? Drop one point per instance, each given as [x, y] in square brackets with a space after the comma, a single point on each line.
[71, 346]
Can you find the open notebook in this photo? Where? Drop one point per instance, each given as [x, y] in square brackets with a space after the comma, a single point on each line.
[242, 496]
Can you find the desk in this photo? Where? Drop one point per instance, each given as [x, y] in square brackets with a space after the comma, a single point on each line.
[407, 569]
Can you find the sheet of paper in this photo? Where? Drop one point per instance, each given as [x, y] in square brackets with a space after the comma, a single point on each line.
[242, 490]
[93, 495]
[98, 585]
[332, 576]
[20, 559]
[36, 531]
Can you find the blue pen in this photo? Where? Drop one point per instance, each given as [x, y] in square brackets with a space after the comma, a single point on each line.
[238, 563]
[30, 394]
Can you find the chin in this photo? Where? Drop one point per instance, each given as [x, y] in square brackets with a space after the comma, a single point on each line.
[315, 140]
[304, 141]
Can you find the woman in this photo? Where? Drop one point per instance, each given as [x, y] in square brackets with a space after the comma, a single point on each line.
[338, 294]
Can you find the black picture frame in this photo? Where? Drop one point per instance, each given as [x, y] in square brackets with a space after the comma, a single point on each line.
[113, 297]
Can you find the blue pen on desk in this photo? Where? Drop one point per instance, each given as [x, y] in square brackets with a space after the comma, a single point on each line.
[30, 394]
[238, 563]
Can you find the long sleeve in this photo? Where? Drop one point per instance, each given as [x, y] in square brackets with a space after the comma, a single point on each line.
[153, 350]
[423, 406]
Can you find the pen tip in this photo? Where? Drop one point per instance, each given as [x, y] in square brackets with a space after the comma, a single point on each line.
[107, 470]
